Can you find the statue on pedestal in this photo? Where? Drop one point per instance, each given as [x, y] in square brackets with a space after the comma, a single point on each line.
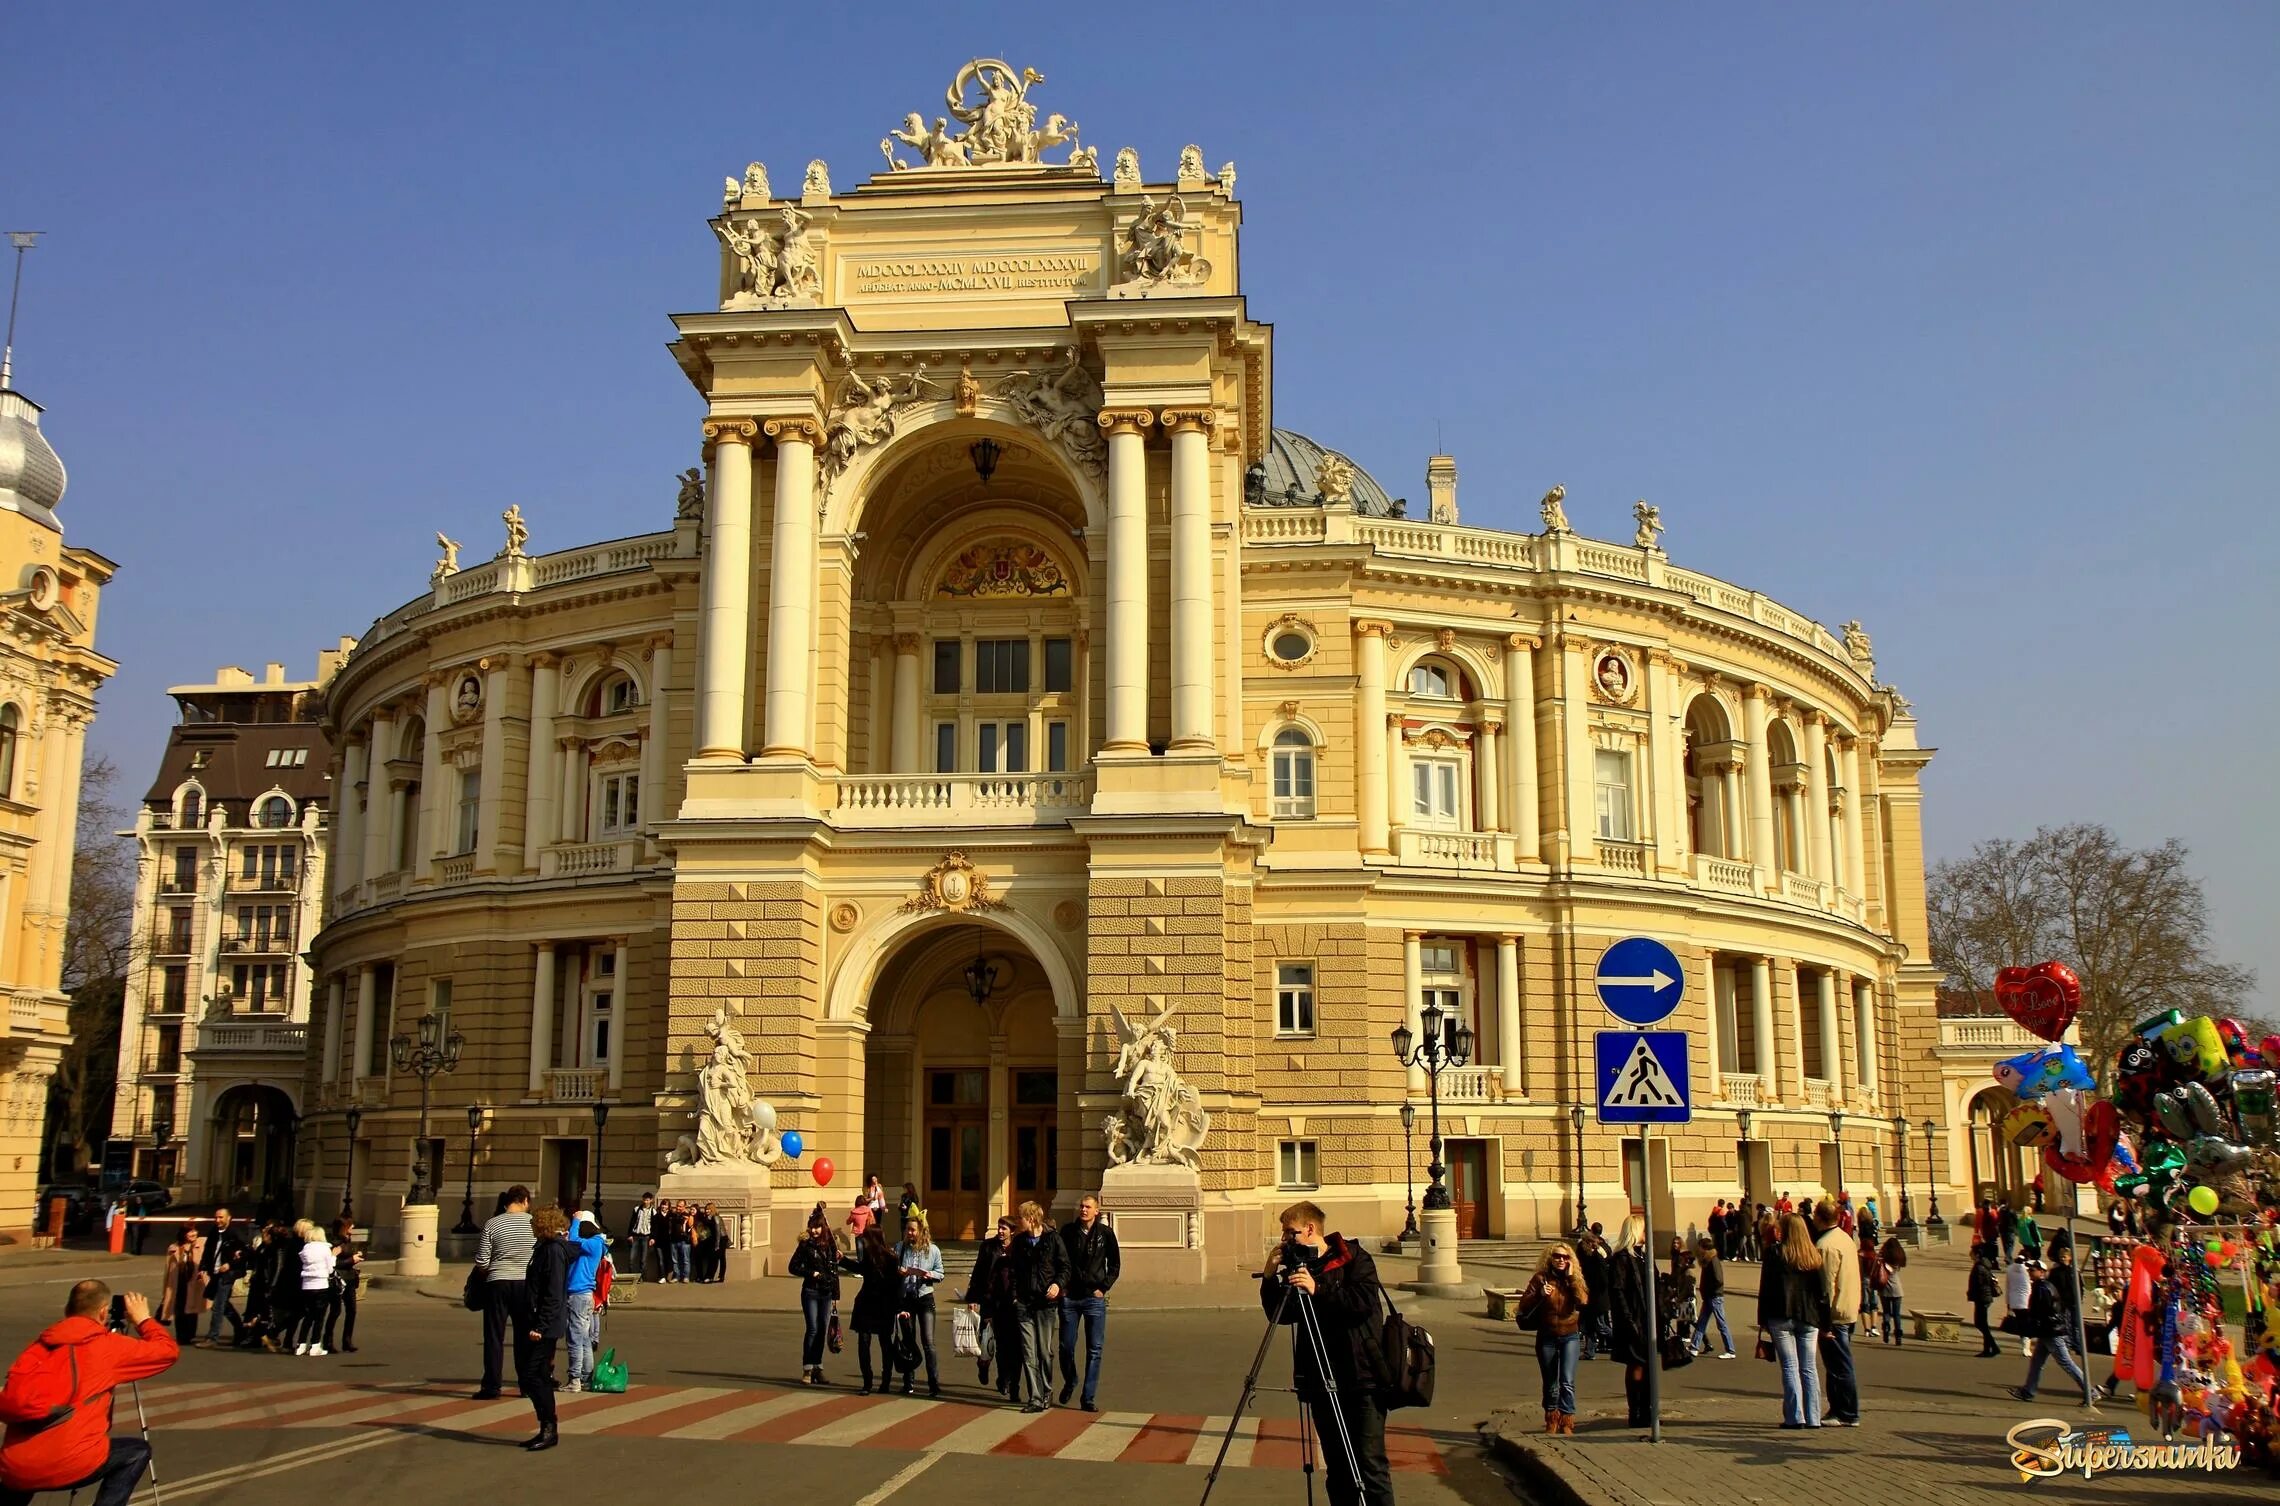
[1162, 1122]
[732, 1127]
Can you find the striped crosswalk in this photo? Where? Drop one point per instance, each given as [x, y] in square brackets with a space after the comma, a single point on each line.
[809, 1418]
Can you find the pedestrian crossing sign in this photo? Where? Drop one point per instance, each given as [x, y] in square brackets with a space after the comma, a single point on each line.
[1642, 1077]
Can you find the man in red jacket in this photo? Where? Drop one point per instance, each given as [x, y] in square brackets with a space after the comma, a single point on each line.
[57, 1401]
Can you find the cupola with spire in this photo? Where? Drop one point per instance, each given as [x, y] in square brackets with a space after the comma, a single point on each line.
[31, 474]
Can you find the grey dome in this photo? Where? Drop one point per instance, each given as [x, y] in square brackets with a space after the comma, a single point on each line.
[1291, 477]
[31, 476]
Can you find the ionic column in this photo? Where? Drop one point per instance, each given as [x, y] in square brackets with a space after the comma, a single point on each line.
[436, 806]
[1396, 772]
[1127, 730]
[1721, 982]
[367, 1003]
[1855, 879]
[1413, 990]
[348, 822]
[492, 781]
[1486, 778]
[572, 799]
[1191, 576]
[1817, 795]
[791, 593]
[1665, 762]
[724, 619]
[903, 722]
[378, 802]
[542, 1019]
[1580, 817]
[653, 749]
[1864, 1016]
[621, 1010]
[1369, 734]
[336, 999]
[1520, 745]
[1508, 1049]
[1832, 1047]
[1768, 1054]
[540, 825]
[1756, 711]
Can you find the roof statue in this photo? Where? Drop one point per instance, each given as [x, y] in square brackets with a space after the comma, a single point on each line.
[449, 564]
[1156, 252]
[1162, 1121]
[518, 532]
[1649, 518]
[1859, 649]
[1335, 476]
[1002, 130]
[1127, 179]
[1554, 509]
[773, 268]
[690, 502]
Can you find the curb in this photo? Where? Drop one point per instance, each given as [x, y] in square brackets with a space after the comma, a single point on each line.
[1545, 1481]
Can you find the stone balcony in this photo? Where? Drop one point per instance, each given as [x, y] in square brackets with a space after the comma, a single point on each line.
[1474, 1084]
[1978, 1036]
[870, 802]
[1453, 851]
[249, 1036]
[575, 1084]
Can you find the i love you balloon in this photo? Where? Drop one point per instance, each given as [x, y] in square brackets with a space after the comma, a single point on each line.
[2043, 999]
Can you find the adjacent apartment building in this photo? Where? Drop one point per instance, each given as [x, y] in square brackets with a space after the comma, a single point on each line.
[230, 868]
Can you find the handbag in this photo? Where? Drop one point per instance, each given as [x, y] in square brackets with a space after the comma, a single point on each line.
[965, 1333]
[1765, 1349]
[831, 1334]
[472, 1297]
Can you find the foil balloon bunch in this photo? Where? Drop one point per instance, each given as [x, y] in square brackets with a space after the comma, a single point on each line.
[2079, 1134]
[2202, 1098]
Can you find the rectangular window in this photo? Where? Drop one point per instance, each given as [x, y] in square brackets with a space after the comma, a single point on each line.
[1060, 665]
[1057, 747]
[178, 930]
[1002, 747]
[245, 923]
[1611, 790]
[383, 1019]
[619, 810]
[167, 1055]
[1450, 1002]
[470, 807]
[287, 860]
[162, 1110]
[174, 993]
[241, 980]
[1295, 1164]
[1001, 666]
[946, 666]
[439, 1004]
[1294, 999]
[945, 747]
[1434, 787]
[252, 864]
[185, 869]
[1293, 772]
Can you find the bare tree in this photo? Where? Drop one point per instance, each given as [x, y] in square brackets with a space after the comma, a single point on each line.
[99, 947]
[2133, 924]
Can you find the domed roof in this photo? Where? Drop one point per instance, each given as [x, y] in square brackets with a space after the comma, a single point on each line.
[1291, 476]
[31, 477]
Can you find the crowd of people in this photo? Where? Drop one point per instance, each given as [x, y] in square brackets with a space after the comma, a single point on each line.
[300, 1281]
[690, 1241]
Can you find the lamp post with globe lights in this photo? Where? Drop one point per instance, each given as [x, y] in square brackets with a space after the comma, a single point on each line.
[466, 1224]
[1935, 1225]
[433, 1049]
[1906, 1228]
[1409, 1159]
[1437, 1050]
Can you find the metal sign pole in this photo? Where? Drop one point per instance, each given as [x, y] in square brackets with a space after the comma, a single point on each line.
[1654, 1328]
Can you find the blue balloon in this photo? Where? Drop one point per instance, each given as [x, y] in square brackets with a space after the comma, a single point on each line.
[793, 1144]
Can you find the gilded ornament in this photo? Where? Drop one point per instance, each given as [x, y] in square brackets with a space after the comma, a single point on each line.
[1002, 130]
[1017, 569]
[953, 884]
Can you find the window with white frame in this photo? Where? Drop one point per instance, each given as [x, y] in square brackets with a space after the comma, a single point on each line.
[601, 1000]
[1294, 998]
[1441, 985]
[439, 1005]
[276, 813]
[1296, 1165]
[619, 695]
[470, 808]
[1001, 747]
[1611, 794]
[1293, 772]
[1436, 792]
[1431, 679]
[617, 804]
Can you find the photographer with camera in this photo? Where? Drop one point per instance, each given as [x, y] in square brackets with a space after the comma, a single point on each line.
[1340, 1281]
[57, 1400]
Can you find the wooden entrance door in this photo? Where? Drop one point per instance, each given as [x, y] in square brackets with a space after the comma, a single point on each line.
[1468, 1186]
[1036, 1136]
[957, 1151]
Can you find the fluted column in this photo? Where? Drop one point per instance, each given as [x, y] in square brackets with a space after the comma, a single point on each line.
[1817, 795]
[791, 592]
[1832, 1045]
[1510, 1053]
[724, 624]
[1127, 730]
[1413, 991]
[544, 759]
[653, 748]
[541, 1019]
[1369, 733]
[1756, 710]
[1854, 880]
[490, 813]
[348, 822]
[1191, 576]
[1520, 745]
[436, 806]
[367, 1004]
[378, 800]
[903, 731]
[1768, 1053]
[1487, 776]
[336, 999]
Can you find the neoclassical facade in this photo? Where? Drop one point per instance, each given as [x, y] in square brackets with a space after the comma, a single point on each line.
[1005, 668]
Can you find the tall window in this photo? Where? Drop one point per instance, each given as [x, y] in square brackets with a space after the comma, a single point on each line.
[619, 805]
[174, 990]
[166, 1056]
[185, 870]
[470, 808]
[1611, 794]
[193, 806]
[1002, 747]
[162, 1110]
[945, 747]
[1296, 1164]
[1001, 666]
[439, 1005]
[178, 930]
[1436, 792]
[407, 838]
[11, 723]
[1442, 987]
[1057, 747]
[601, 998]
[946, 676]
[1293, 769]
[1294, 998]
[1060, 665]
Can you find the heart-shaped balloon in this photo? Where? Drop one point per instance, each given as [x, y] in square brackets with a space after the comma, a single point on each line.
[2043, 999]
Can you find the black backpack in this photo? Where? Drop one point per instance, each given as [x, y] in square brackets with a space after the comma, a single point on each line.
[1409, 1360]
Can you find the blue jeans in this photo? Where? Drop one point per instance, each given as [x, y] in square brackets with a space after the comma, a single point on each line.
[680, 1249]
[580, 1310]
[815, 1310]
[1715, 1308]
[1793, 1345]
[2059, 1347]
[1094, 1310]
[1837, 1376]
[1891, 1301]
[637, 1255]
[219, 1290]
[1556, 1358]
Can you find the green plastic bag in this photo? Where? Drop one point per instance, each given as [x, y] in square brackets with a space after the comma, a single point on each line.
[609, 1374]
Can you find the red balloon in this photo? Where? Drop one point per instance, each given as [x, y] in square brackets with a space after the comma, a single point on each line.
[2042, 998]
[822, 1171]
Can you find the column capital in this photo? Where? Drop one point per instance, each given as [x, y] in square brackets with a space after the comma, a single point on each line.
[544, 660]
[1187, 420]
[1520, 643]
[1393, 721]
[730, 431]
[1757, 692]
[798, 430]
[1814, 717]
[1366, 627]
[909, 643]
[657, 641]
[1115, 421]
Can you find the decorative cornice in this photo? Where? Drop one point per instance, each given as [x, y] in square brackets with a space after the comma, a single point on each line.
[1115, 421]
[731, 430]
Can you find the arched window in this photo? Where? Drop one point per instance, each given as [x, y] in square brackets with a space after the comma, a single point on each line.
[1293, 768]
[1437, 680]
[276, 813]
[615, 693]
[193, 806]
[11, 722]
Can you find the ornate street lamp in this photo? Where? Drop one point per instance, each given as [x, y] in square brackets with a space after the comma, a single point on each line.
[985, 453]
[466, 1224]
[1749, 1192]
[354, 1117]
[1576, 1117]
[1837, 1139]
[1931, 1178]
[1409, 1159]
[1907, 1224]
[1436, 1053]
[601, 1117]
[433, 1051]
[982, 975]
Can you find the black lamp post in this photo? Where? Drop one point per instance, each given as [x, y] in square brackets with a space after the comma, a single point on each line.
[354, 1117]
[466, 1224]
[1837, 1139]
[1749, 1190]
[1931, 1178]
[1409, 1159]
[1907, 1224]
[431, 1052]
[1575, 1117]
[1436, 1053]
[601, 1117]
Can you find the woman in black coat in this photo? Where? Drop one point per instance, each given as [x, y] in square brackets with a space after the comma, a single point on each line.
[1628, 1272]
[544, 1319]
[990, 1294]
[878, 1301]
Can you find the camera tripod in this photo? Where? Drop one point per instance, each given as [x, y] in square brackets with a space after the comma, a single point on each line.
[1308, 1327]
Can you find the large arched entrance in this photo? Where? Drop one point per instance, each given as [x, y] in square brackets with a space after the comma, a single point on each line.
[2006, 1172]
[962, 1080]
[249, 1151]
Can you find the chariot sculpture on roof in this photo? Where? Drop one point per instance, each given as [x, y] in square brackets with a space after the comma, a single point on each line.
[991, 100]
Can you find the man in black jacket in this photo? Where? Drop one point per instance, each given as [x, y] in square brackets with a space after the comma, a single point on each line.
[1340, 1282]
[1040, 1276]
[1093, 1267]
[222, 1264]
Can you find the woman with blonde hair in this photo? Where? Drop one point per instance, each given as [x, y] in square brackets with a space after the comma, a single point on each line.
[921, 1265]
[1629, 1271]
[316, 1289]
[1793, 1308]
[1553, 1306]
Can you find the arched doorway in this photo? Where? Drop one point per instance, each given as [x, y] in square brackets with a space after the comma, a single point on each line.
[1999, 1169]
[963, 1077]
[249, 1156]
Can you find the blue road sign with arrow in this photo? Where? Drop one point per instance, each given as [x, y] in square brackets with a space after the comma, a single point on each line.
[1640, 980]
[1642, 1077]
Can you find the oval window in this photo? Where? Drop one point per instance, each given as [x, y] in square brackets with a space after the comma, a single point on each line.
[1291, 647]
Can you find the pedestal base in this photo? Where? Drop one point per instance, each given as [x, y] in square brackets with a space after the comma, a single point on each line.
[740, 1194]
[1438, 1273]
[415, 1249]
[1157, 1212]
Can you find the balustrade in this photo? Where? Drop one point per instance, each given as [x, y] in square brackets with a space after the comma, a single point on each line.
[1484, 851]
[889, 800]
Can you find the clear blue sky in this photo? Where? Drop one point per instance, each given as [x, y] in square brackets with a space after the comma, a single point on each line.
[1958, 319]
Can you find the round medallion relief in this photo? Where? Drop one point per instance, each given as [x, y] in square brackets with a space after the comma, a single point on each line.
[1067, 914]
[844, 915]
[957, 887]
[1613, 673]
